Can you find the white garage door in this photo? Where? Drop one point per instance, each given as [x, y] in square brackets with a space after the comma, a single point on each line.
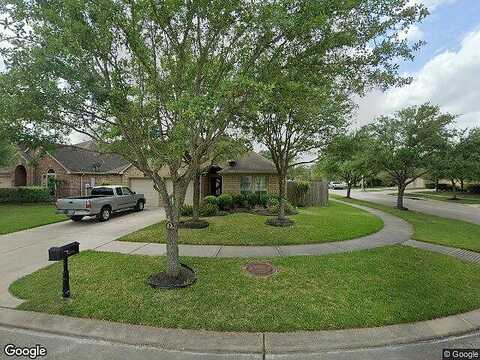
[5, 181]
[145, 186]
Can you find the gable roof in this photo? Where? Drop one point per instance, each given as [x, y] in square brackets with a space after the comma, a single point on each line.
[82, 159]
[252, 163]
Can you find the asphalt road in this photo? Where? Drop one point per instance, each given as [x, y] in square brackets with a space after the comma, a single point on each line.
[66, 348]
[439, 208]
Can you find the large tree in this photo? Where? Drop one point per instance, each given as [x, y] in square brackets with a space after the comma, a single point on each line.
[306, 99]
[344, 159]
[405, 144]
[159, 82]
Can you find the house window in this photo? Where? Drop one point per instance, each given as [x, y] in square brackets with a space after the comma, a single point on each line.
[245, 184]
[260, 184]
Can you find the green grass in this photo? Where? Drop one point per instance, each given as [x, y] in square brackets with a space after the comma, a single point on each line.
[312, 225]
[15, 217]
[359, 289]
[433, 229]
[462, 198]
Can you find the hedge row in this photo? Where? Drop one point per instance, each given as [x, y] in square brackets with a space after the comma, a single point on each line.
[24, 195]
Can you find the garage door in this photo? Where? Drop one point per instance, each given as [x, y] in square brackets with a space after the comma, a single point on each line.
[145, 186]
[5, 181]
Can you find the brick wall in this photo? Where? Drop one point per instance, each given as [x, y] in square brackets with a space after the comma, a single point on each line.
[231, 183]
[273, 184]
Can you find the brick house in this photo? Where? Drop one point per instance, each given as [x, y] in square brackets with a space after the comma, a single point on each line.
[77, 168]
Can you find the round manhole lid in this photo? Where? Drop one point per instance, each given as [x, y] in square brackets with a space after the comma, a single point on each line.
[260, 268]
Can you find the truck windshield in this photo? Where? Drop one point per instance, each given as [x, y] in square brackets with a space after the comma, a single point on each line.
[102, 191]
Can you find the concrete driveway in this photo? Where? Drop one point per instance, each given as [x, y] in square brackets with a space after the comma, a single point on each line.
[24, 252]
[439, 208]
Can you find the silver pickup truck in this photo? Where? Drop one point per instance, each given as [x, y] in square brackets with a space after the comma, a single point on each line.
[102, 202]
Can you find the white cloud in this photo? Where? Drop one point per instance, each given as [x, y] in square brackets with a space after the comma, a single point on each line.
[432, 4]
[412, 34]
[451, 79]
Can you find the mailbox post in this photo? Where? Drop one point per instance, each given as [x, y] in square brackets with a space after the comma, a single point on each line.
[58, 253]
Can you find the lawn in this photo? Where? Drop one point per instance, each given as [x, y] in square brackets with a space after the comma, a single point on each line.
[15, 217]
[433, 229]
[312, 225]
[376, 287]
[462, 198]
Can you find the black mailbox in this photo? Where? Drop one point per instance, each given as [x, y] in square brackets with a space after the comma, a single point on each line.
[58, 253]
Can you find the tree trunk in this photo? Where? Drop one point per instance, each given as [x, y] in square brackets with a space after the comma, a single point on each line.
[349, 190]
[172, 211]
[462, 185]
[401, 193]
[454, 188]
[173, 259]
[196, 197]
[436, 185]
[282, 183]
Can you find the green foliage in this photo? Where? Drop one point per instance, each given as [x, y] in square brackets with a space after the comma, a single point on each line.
[225, 202]
[238, 200]
[263, 199]
[345, 158]
[210, 199]
[7, 152]
[186, 210]
[289, 209]
[302, 187]
[208, 209]
[404, 145]
[24, 195]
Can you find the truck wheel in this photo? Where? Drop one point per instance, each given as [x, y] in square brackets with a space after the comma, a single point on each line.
[104, 214]
[140, 206]
[76, 217]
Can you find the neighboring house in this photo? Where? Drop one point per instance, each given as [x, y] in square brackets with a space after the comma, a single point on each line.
[77, 168]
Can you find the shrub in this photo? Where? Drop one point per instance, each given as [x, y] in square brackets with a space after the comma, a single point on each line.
[273, 200]
[186, 210]
[239, 200]
[225, 202]
[252, 199]
[24, 195]
[474, 188]
[210, 199]
[208, 209]
[263, 200]
[289, 209]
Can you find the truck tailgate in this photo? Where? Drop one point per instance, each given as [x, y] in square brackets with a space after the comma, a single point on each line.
[71, 204]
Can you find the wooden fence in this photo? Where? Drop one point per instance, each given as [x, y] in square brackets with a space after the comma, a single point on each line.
[316, 195]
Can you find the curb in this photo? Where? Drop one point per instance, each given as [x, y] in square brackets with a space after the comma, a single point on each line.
[202, 341]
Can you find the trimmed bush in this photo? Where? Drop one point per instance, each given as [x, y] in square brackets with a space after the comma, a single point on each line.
[273, 200]
[238, 200]
[289, 209]
[208, 209]
[186, 210]
[225, 202]
[210, 199]
[31, 194]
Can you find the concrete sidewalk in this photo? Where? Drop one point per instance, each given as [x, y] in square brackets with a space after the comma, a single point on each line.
[24, 252]
[394, 231]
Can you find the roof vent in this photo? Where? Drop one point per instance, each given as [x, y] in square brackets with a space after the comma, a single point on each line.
[232, 163]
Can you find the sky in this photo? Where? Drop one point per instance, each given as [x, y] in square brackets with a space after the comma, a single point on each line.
[446, 71]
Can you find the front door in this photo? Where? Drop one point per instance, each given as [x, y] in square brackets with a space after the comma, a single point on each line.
[216, 186]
